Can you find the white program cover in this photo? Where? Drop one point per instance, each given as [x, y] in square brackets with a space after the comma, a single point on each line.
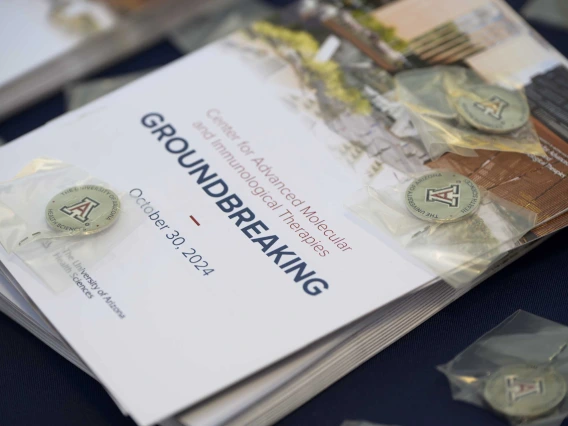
[169, 325]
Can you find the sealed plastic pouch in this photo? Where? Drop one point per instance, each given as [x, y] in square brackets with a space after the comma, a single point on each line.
[443, 219]
[518, 370]
[453, 110]
[62, 222]
[51, 199]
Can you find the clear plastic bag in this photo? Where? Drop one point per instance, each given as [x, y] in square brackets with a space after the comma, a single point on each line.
[518, 370]
[458, 251]
[25, 200]
[453, 110]
[60, 257]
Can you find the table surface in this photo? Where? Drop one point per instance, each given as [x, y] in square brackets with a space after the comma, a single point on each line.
[398, 386]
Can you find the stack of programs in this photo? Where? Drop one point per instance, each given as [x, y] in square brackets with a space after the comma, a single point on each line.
[253, 221]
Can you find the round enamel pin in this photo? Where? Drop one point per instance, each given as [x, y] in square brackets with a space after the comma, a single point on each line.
[524, 391]
[493, 109]
[83, 210]
[442, 197]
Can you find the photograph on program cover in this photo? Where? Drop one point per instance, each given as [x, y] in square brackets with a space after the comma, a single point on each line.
[486, 35]
[335, 65]
[344, 98]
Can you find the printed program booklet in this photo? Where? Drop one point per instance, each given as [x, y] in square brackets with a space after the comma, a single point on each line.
[246, 255]
[248, 288]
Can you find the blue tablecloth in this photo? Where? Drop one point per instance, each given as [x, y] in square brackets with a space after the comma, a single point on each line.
[398, 386]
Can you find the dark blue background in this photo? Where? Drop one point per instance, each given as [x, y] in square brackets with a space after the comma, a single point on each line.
[398, 386]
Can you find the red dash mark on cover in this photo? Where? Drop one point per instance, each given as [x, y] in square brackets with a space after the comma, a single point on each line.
[195, 220]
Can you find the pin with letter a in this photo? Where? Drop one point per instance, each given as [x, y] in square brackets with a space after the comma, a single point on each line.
[83, 210]
[442, 197]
